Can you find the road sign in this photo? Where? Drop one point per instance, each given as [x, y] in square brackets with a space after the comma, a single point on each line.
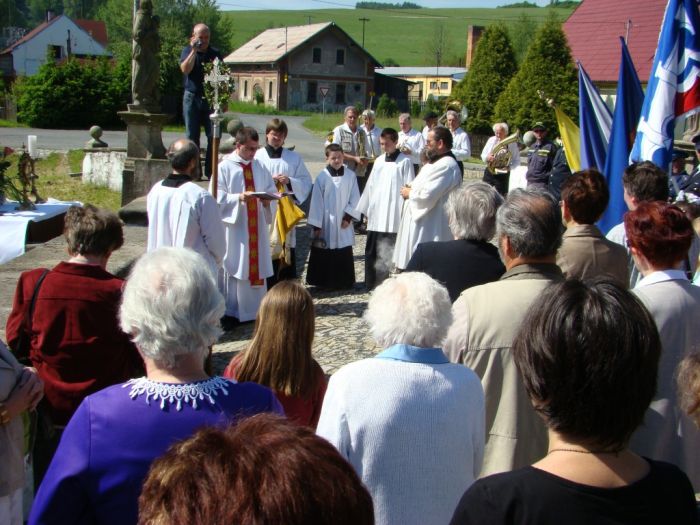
[324, 91]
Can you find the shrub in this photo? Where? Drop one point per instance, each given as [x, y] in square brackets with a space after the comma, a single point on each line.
[75, 94]
[387, 107]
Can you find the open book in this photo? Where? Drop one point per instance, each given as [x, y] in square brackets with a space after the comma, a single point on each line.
[271, 195]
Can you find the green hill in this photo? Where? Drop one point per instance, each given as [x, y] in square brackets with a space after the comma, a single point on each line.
[406, 36]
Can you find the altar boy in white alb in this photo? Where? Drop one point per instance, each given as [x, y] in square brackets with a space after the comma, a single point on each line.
[246, 219]
[183, 215]
[381, 202]
[290, 174]
[334, 201]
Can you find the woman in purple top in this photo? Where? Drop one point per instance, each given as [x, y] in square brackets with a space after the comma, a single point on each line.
[171, 309]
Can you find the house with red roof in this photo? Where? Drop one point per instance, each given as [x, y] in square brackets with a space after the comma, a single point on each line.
[58, 37]
[595, 27]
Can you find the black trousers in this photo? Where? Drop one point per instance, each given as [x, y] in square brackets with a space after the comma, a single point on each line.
[497, 180]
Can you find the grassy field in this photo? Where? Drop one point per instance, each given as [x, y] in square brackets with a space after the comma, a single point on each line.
[403, 35]
[54, 180]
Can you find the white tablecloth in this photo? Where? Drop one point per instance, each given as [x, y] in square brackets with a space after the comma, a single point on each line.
[13, 224]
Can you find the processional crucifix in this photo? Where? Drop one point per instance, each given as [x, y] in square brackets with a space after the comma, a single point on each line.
[215, 78]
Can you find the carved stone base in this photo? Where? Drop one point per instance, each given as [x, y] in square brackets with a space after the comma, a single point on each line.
[140, 175]
[144, 140]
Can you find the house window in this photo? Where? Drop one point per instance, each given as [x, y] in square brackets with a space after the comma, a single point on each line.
[316, 59]
[311, 93]
[433, 85]
[245, 89]
[340, 94]
[443, 85]
[269, 91]
[340, 57]
[56, 52]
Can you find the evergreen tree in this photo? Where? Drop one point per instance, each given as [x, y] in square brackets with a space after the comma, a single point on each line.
[491, 70]
[547, 68]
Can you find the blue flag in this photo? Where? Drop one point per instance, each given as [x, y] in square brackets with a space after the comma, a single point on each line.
[595, 121]
[674, 83]
[628, 106]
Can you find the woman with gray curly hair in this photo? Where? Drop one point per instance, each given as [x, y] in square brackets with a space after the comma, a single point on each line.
[408, 421]
[171, 310]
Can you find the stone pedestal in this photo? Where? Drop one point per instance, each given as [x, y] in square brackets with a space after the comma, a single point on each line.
[144, 140]
[140, 175]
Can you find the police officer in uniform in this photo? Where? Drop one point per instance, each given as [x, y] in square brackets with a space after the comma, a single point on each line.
[540, 158]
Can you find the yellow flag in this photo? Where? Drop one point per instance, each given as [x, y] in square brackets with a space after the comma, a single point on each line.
[571, 138]
[288, 215]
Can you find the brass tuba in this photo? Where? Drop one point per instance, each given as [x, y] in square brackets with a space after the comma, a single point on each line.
[502, 154]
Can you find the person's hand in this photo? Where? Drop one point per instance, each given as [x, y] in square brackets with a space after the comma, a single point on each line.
[490, 158]
[363, 161]
[405, 192]
[281, 178]
[405, 149]
[26, 394]
[245, 196]
[193, 41]
[344, 223]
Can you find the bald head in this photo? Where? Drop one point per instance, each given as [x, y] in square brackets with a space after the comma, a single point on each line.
[201, 34]
[181, 155]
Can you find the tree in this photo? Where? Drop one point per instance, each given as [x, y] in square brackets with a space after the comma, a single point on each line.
[547, 68]
[492, 68]
[437, 46]
[178, 17]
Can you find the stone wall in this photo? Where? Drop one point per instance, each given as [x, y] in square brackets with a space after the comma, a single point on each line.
[104, 167]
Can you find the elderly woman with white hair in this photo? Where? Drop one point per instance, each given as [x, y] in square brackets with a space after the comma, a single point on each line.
[470, 259]
[171, 309]
[494, 174]
[410, 423]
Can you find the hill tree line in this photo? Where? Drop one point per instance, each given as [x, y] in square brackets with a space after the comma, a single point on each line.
[381, 5]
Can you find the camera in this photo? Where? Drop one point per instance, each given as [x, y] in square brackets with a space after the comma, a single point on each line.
[198, 43]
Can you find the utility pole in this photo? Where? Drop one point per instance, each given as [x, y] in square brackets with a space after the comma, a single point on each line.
[363, 20]
[308, 19]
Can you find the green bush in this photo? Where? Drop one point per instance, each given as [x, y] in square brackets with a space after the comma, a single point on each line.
[491, 70]
[547, 68]
[415, 108]
[387, 107]
[75, 94]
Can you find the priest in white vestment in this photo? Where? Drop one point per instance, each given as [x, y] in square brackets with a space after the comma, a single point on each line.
[411, 141]
[423, 217]
[183, 215]
[247, 261]
[290, 174]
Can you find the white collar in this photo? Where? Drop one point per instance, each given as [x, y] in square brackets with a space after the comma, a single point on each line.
[662, 276]
[176, 393]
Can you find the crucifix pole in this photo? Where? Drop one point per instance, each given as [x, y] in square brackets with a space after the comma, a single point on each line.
[215, 78]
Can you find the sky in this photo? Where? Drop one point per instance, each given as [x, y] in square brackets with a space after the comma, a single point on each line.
[234, 5]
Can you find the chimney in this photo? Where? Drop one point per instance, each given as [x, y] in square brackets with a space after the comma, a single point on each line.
[473, 35]
[50, 15]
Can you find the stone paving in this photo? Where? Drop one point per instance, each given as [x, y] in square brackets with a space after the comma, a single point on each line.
[341, 334]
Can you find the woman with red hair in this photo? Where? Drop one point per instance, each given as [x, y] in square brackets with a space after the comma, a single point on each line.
[658, 236]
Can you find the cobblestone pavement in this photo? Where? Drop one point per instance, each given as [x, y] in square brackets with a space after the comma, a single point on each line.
[341, 334]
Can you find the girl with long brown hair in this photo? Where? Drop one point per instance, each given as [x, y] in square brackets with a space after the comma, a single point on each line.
[279, 355]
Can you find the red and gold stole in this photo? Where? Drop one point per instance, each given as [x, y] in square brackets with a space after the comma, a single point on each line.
[252, 207]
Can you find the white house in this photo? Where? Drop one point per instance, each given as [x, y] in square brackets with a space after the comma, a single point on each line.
[59, 37]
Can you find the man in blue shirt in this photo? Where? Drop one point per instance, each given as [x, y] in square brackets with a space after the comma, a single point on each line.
[195, 108]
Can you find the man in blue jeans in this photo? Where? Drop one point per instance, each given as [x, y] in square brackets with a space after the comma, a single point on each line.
[195, 108]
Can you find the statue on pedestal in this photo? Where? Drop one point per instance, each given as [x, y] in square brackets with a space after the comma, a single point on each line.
[146, 60]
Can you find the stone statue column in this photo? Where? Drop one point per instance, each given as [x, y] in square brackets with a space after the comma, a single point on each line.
[145, 73]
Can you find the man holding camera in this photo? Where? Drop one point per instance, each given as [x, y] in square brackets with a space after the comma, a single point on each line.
[195, 108]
